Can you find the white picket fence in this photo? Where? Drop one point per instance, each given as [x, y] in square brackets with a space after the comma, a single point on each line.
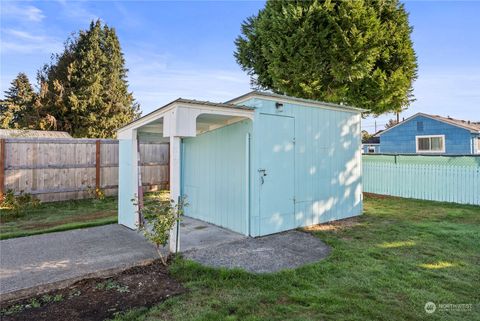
[436, 181]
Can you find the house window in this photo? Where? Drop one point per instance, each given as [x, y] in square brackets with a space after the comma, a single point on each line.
[478, 145]
[420, 126]
[431, 144]
[371, 149]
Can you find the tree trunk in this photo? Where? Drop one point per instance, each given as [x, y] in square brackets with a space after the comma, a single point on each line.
[164, 262]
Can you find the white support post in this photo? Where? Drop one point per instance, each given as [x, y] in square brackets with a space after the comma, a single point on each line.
[174, 188]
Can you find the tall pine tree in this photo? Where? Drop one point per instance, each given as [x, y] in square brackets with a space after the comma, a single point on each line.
[86, 88]
[354, 52]
[17, 109]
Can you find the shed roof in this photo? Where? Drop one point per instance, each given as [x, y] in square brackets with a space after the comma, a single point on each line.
[29, 133]
[190, 101]
[468, 125]
[295, 99]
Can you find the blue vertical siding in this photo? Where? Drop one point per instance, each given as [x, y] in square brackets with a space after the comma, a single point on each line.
[277, 186]
[401, 139]
[215, 176]
[126, 184]
[327, 163]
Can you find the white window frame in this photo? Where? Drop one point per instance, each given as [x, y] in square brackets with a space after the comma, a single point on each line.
[478, 145]
[429, 151]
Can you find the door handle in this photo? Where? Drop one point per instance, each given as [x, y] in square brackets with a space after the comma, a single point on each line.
[263, 173]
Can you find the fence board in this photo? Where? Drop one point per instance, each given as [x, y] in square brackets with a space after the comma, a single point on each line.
[62, 169]
[427, 178]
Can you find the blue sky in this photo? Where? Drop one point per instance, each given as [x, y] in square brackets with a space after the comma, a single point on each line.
[185, 49]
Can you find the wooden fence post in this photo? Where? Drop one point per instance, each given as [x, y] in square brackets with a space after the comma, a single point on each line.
[2, 168]
[97, 164]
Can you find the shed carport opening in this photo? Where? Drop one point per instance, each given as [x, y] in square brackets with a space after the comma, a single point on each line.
[180, 120]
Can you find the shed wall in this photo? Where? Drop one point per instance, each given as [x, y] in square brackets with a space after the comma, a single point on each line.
[214, 176]
[327, 163]
[126, 184]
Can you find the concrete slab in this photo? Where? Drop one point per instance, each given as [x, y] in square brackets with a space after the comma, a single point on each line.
[43, 259]
[287, 250]
[196, 234]
[38, 263]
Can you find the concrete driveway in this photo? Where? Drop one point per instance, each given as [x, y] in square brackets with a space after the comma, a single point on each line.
[42, 262]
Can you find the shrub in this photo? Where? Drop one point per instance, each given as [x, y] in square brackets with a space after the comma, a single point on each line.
[18, 204]
[159, 217]
[96, 193]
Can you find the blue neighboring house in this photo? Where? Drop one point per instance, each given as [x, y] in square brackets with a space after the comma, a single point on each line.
[431, 134]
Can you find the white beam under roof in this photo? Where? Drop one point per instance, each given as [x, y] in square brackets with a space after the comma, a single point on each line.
[179, 118]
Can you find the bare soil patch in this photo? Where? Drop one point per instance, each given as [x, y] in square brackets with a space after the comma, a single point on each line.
[335, 225]
[380, 196]
[97, 298]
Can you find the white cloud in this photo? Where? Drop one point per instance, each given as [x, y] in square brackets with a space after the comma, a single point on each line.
[20, 41]
[155, 83]
[157, 78]
[23, 35]
[154, 89]
[20, 12]
[77, 10]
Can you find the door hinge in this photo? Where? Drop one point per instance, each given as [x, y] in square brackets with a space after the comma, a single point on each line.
[293, 141]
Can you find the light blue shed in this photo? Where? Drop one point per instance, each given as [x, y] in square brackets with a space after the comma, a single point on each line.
[259, 164]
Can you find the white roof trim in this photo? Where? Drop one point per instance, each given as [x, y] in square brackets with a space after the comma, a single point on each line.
[428, 116]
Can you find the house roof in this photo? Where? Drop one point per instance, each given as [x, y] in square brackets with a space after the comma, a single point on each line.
[372, 140]
[190, 101]
[475, 126]
[294, 99]
[468, 125]
[28, 133]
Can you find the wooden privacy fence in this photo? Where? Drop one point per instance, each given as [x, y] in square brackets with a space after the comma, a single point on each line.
[437, 178]
[62, 169]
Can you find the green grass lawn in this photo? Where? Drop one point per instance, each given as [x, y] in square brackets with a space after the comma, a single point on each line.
[62, 216]
[58, 216]
[384, 265]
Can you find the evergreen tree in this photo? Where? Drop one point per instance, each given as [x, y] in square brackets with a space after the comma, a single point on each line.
[391, 123]
[17, 108]
[353, 52]
[86, 89]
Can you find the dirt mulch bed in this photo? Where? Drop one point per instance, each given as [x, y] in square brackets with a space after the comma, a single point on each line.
[98, 299]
